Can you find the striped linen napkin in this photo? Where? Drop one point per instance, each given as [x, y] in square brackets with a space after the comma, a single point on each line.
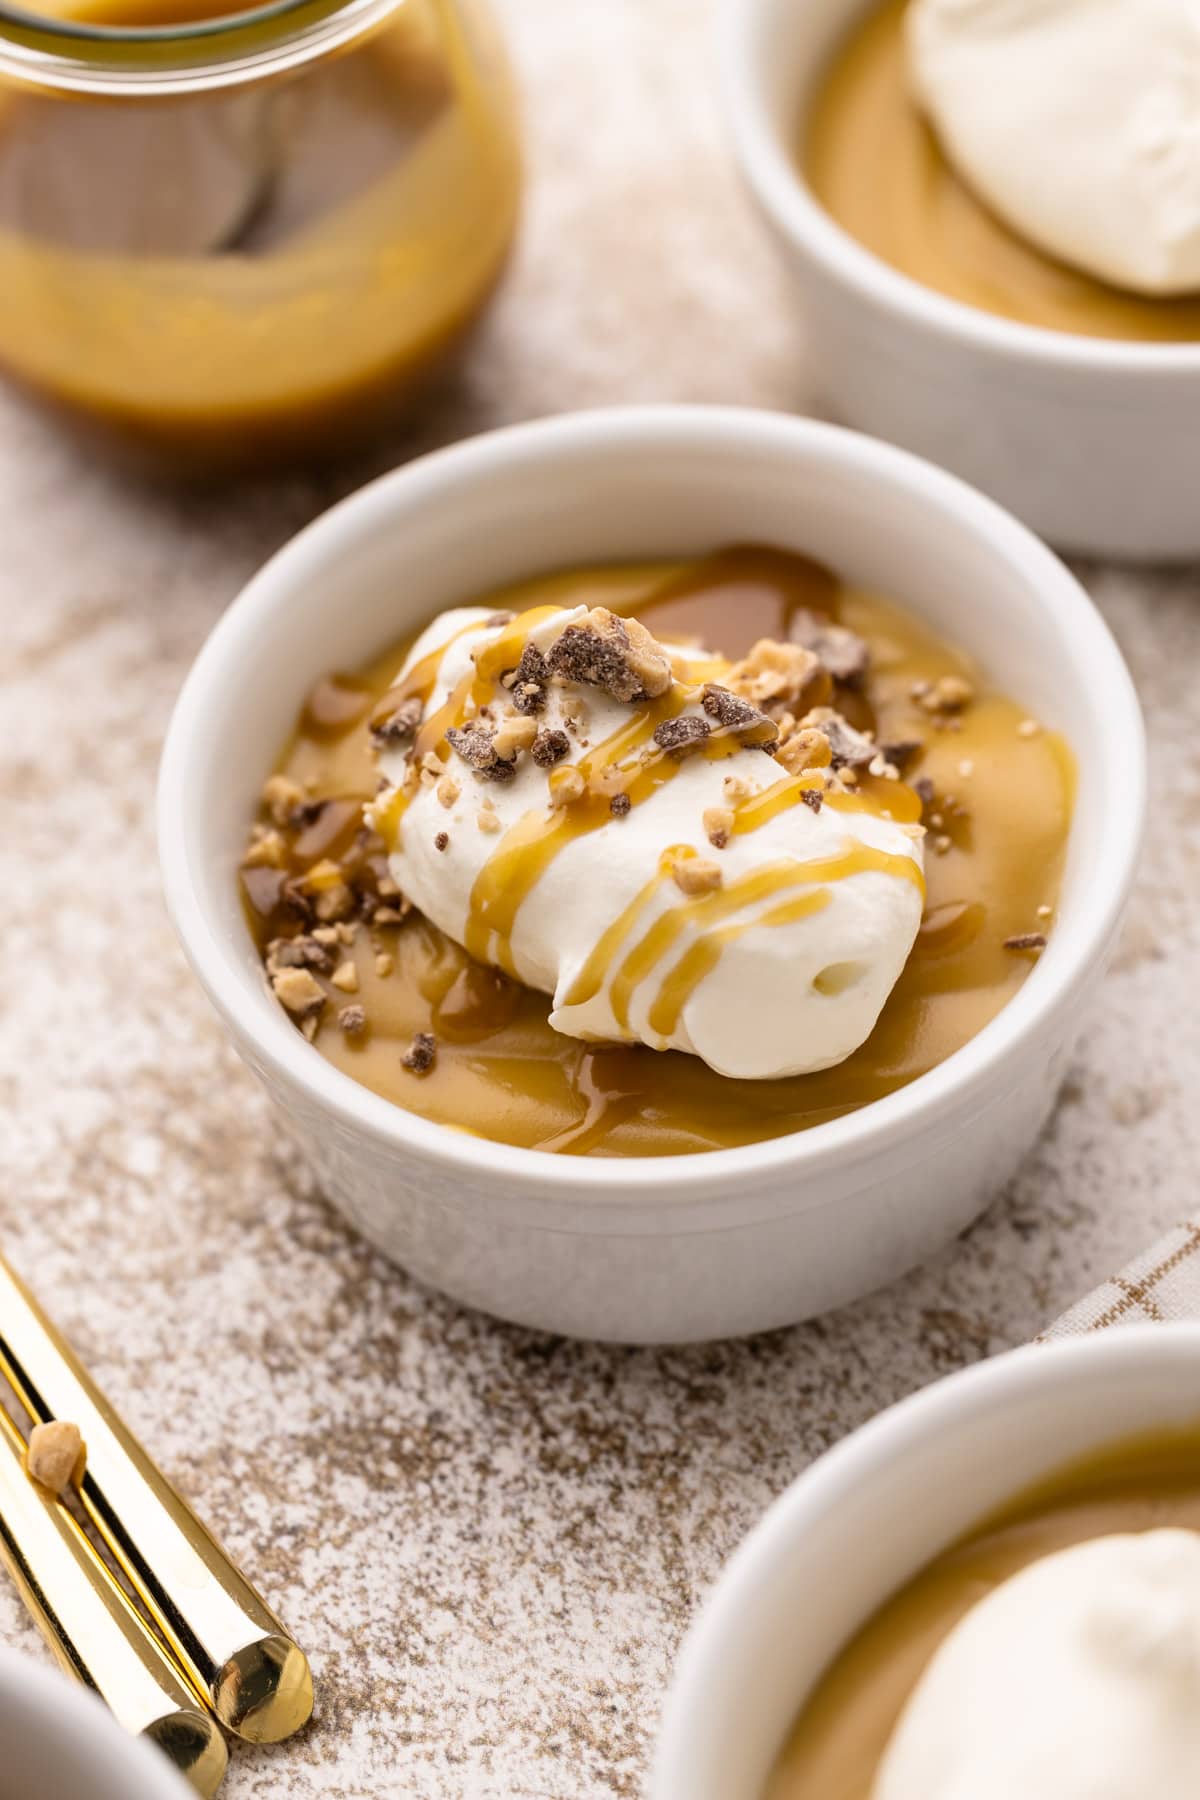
[1163, 1284]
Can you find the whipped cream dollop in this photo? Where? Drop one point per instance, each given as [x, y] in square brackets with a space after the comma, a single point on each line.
[564, 805]
[1077, 1678]
[1077, 121]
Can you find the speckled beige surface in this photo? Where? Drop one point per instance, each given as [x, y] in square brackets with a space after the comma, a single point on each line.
[490, 1542]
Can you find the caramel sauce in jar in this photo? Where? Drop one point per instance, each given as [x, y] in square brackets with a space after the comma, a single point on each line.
[838, 1742]
[1004, 788]
[874, 164]
[234, 245]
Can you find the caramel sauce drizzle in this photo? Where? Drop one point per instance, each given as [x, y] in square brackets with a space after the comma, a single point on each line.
[758, 884]
[702, 957]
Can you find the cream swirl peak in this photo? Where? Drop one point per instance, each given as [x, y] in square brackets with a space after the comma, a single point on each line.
[621, 824]
[1077, 121]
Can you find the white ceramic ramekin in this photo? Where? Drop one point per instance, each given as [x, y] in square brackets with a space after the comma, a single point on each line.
[873, 1512]
[656, 1249]
[59, 1742]
[1091, 442]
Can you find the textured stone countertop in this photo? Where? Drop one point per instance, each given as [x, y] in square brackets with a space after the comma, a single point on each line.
[490, 1542]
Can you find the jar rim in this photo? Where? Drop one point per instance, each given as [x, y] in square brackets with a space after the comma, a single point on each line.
[81, 55]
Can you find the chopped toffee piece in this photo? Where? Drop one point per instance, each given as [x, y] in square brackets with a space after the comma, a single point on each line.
[718, 823]
[345, 977]
[353, 1020]
[299, 992]
[813, 798]
[513, 735]
[678, 737]
[1026, 940]
[282, 799]
[54, 1454]
[619, 656]
[488, 819]
[549, 747]
[785, 676]
[304, 952]
[848, 748]
[620, 805]
[901, 754]
[840, 652]
[566, 786]
[394, 721]
[529, 681]
[806, 747]
[448, 791]
[441, 840]
[696, 875]
[476, 744]
[422, 1053]
[736, 714]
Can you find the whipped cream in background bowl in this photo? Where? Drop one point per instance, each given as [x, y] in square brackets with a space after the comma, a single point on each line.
[663, 1248]
[1075, 120]
[1076, 1676]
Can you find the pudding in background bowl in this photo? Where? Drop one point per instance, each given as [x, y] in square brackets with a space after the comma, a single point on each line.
[641, 1247]
[937, 325]
[988, 1589]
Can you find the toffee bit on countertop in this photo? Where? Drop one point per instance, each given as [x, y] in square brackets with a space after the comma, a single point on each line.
[395, 721]
[696, 875]
[421, 1054]
[619, 656]
[1026, 940]
[352, 1020]
[441, 840]
[620, 806]
[840, 651]
[549, 747]
[55, 1453]
[678, 737]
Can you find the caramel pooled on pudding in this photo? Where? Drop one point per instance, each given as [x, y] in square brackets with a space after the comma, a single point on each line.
[995, 790]
[876, 167]
[838, 1742]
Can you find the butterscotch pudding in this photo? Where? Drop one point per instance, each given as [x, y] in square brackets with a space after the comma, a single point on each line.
[1053, 1652]
[1037, 162]
[654, 859]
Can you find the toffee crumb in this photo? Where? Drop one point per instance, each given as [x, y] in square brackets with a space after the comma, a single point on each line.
[620, 805]
[734, 713]
[619, 656]
[441, 840]
[678, 737]
[841, 652]
[697, 875]
[395, 721]
[54, 1454]
[813, 798]
[421, 1054]
[529, 681]
[549, 747]
[352, 1020]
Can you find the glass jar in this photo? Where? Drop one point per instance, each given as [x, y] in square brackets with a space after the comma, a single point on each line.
[234, 240]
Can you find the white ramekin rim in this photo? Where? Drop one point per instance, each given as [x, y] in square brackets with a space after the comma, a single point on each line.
[770, 169]
[967, 1080]
[750, 1577]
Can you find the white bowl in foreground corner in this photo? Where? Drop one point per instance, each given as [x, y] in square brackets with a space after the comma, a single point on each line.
[869, 1515]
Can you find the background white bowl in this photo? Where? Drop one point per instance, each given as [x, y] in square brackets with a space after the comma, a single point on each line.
[60, 1742]
[656, 1249]
[1090, 442]
[873, 1512]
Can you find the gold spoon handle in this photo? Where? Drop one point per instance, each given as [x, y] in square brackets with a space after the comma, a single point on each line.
[92, 1628]
[226, 1639]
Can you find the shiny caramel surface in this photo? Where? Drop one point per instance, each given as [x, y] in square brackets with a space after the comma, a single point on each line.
[258, 273]
[874, 164]
[839, 1739]
[502, 1072]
